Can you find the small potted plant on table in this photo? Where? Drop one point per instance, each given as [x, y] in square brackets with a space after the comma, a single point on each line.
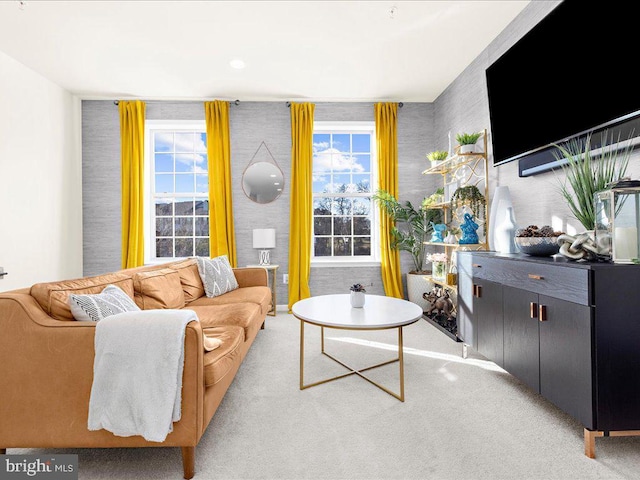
[357, 295]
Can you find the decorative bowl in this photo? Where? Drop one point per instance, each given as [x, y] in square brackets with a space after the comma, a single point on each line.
[538, 246]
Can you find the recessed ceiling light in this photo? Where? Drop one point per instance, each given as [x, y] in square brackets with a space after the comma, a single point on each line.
[237, 63]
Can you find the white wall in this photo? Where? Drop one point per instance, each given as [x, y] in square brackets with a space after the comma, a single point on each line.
[40, 178]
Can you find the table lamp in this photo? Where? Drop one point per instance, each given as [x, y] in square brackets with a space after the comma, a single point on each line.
[264, 238]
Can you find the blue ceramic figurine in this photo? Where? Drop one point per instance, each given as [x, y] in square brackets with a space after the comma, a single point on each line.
[469, 227]
[438, 230]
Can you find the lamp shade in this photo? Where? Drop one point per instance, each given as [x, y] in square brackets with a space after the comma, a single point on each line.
[264, 238]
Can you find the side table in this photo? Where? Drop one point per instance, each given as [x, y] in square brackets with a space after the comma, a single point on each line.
[272, 274]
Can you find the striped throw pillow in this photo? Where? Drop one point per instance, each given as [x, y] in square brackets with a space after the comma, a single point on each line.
[111, 301]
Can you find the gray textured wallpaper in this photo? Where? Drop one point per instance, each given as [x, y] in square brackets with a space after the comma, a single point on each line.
[250, 124]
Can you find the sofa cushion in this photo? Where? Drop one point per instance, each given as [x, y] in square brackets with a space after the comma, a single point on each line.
[221, 361]
[53, 297]
[258, 295]
[96, 306]
[245, 315]
[189, 278]
[158, 289]
[217, 275]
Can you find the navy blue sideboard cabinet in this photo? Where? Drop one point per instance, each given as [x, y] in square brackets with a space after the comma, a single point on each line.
[569, 330]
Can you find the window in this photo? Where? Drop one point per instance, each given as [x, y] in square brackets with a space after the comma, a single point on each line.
[177, 186]
[344, 166]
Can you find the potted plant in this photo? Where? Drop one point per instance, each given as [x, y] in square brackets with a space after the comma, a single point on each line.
[586, 174]
[436, 157]
[412, 229]
[357, 295]
[467, 141]
[434, 199]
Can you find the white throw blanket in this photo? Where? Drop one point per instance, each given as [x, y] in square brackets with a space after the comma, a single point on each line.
[137, 373]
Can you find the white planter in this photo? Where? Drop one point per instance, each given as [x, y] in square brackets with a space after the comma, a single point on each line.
[416, 286]
[468, 148]
[357, 299]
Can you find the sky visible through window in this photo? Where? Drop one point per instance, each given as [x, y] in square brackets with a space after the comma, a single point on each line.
[342, 176]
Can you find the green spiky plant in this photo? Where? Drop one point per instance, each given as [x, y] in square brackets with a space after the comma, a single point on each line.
[412, 226]
[467, 138]
[586, 173]
[437, 156]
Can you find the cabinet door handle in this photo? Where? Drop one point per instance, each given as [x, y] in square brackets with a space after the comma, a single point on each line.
[475, 290]
[543, 313]
[479, 291]
[536, 277]
[533, 310]
[476, 265]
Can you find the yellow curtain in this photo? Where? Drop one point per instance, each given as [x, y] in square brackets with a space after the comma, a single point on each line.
[386, 115]
[301, 201]
[222, 237]
[132, 171]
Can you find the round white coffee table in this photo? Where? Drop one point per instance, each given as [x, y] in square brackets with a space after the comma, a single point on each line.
[335, 311]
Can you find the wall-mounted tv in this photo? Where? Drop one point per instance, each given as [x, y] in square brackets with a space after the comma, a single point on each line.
[571, 74]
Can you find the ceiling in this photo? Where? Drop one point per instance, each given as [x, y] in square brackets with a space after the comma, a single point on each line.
[293, 50]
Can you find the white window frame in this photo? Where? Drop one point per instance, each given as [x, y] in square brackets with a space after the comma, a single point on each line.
[149, 183]
[372, 260]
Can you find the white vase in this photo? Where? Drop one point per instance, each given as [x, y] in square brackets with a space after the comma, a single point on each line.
[467, 148]
[357, 299]
[505, 234]
[501, 201]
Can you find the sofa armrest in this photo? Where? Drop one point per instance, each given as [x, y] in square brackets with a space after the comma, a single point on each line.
[46, 373]
[251, 277]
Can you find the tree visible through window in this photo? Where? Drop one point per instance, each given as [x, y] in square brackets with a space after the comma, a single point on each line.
[343, 182]
[179, 188]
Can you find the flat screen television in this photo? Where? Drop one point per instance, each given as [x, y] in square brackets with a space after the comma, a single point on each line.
[571, 74]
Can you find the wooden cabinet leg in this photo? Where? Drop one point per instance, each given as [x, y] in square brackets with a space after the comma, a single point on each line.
[590, 442]
[189, 462]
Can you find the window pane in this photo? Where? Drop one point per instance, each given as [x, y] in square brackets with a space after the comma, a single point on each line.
[361, 163]
[185, 163]
[164, 227]
[322, 206]
[201, 163]
[164, 162]
[322, 226]
[202, 247]
[164, 247]
[361, 142]
[164, 207]
[321, 141]
[185, 141]
[362, 246]
[342, 225]
[184, 247]
[340, 141]
[341, 162]
[361, 226]
[341, 183]
[341, 206]
[202, 207]
[321, 183]
[164, 183]
[184, 227]
[322, 247]
[342, 247]
[184, 206]
[202, 184]
[361, 206]
[201, 142]
[202, 226]
[163, 141]
[185, 183]
[362, 182]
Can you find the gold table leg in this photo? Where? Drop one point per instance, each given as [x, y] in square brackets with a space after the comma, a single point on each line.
[353, 371]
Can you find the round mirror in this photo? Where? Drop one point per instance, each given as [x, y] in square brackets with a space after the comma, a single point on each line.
[262, 182]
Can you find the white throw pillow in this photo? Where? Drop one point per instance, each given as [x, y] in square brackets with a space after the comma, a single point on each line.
[94, 307]
[217, 275]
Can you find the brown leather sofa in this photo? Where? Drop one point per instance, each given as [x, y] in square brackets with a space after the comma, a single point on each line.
[46, 357]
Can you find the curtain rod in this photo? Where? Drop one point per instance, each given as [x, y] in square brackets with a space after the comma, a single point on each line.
[232, 102]
[400, 104]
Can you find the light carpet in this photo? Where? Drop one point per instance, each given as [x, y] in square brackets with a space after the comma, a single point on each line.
[461, 419]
